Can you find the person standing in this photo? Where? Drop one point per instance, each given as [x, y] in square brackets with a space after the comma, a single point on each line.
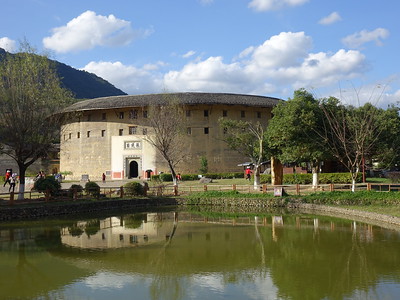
[248, 173]
[103, 177]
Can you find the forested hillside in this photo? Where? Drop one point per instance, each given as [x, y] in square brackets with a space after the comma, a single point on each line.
[84, 85]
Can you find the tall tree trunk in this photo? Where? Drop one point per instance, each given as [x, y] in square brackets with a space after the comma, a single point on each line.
[315, 174]
[276, 171]
[257, 176]
[171, 168]
[22, 170]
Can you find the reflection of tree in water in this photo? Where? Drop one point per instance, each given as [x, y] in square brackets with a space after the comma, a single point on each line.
[75, 230]
[334, 265]
[134, 221]
[166, 284]
[92, 227]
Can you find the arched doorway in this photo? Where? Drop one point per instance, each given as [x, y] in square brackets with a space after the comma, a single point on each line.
[133, 169]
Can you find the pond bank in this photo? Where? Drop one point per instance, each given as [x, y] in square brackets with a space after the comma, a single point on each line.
[41, 210]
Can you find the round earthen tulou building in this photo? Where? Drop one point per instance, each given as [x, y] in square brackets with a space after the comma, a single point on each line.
[108, 135]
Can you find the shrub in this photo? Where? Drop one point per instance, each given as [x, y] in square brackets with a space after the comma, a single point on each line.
[92, 188]
[165, 177]
[75, 188]
[324, 178]
[187, 177]
[394, 177]
[47, 184]
[134, 189]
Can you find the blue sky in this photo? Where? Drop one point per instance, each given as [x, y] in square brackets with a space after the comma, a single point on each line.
[343, 48]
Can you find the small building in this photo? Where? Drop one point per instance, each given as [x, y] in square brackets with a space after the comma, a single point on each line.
[108, 135]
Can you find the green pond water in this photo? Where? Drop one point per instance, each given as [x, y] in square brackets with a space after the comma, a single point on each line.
[193, 255]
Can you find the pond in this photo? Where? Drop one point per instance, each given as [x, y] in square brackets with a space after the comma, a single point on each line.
[198, 255]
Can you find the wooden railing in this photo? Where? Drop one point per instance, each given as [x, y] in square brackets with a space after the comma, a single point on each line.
[182, 190]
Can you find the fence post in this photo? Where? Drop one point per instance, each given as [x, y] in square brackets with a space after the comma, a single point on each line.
[175, 190]
[234, 187]
[205, 188]
[11, 198]
[47, 195]
[121, 189]
[145, 189]
[264, 188]
[297, 189]
[331, 188]
[368, 186]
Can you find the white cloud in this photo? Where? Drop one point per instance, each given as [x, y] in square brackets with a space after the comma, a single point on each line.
[8, 44]
[279, 65]
[189, 54]
[332, 18]
[359, 38]
[205, 2]
[280, 62]
[130, 79]
[266, 5]
[90, 30]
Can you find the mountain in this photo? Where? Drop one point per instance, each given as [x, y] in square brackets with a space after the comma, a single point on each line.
[84, 85]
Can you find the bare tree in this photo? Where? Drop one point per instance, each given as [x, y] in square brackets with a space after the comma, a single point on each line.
[351, 133]
[167, 132]
[248, 139]
[30, 95]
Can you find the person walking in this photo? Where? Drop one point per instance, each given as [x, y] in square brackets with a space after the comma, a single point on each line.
[7, 178]
[13, 181]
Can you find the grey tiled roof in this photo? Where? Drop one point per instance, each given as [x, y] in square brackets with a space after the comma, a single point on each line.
[114, 102]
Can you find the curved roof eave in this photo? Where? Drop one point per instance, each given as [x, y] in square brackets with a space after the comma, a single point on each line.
[116, 102]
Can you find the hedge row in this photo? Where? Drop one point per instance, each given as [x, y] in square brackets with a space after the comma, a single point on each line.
[324, 178]
[188, 177]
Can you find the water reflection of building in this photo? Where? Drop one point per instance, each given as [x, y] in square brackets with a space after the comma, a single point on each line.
[148, 228]
[117, 232]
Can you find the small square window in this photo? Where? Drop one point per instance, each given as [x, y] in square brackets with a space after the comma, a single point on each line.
[259, 115]
[132, 129]
[189, 130]
[104, 116]
[206, 112]
[78, 135]
[121, 115]
[103, 133]
[145, 114]
[88, 134]
[133, 114]
[224, 113]
[70, 135]
[144, 131]
[121, 132]
[242, 113]
[206, 130]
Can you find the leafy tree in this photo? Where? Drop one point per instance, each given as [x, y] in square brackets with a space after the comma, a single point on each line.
[293, 131]
[387, 150]
[30, 95]
[167, 134]
[203, 165]
[249, 139]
